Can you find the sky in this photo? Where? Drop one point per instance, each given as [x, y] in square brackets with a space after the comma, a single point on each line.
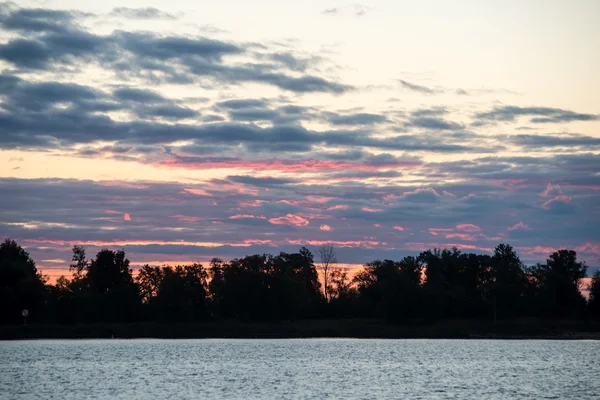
[184, 130]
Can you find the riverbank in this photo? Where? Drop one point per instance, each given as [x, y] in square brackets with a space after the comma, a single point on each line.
[449, 329]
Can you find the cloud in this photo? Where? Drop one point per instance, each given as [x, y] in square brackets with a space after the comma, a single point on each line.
[434, 123]
[554, 141]
[519, 226]
[539, 114]
[551, 191]
[355, 119]
[37, 20]
[417, 88]
[357, 10]
[59, 42]
[289, 219]
[141, 13]
[560, 204]
[468, 228]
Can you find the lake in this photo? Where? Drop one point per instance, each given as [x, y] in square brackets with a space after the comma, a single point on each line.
[299, 368]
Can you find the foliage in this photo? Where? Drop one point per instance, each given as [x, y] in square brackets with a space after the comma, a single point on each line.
[436, 284]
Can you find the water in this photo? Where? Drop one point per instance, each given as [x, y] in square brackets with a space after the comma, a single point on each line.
[303, 368]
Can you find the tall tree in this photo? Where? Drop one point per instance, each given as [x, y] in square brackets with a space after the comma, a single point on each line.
[558, 284]
[594, 288]
[21, 285]
[508, 281]
[328, 259]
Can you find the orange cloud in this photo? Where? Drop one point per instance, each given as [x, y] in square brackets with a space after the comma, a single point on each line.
[289, 219]
[198, 192]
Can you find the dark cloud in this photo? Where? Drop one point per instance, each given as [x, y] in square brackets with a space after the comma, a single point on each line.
[243, 103]
[141, 13]
[52, 40]
[138, 95]
[355, 119]
[417, 88]
[36, 20]
[293, 62]
[263, 182]
[434, 123]
[429, 112]
[542, 141]
[540, 114]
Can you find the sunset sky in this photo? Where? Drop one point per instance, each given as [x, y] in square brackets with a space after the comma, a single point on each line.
[185, 130]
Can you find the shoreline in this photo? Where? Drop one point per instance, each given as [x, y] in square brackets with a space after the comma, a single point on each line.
[355, 329]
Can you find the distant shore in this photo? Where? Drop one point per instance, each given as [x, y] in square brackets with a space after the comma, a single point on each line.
[367, 329]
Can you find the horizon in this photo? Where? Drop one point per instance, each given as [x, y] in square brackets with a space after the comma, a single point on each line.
[180, 132]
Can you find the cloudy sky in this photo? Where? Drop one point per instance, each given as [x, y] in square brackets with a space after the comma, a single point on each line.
[184, 130]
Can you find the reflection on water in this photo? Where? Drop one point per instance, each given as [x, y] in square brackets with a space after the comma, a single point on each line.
[303, 368]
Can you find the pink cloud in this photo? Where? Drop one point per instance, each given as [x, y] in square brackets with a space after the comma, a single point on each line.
[369, 244]
[371, 210]
[463, 236]
[258, 241]
[551, 190]
[519, 226]
[198, 192]
[245, 216]
[468, 228]
[338, 207]
[325, 228]
[285, 165]
[399, 228]
[561, 199]
[436, 231]
[186, 218]
[289, 219]
[126, 217]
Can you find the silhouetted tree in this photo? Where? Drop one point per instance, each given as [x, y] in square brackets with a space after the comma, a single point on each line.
[328, 259]
[148, 280]
[437, 284]
[594, 290]
[101, 289]
[508, 282]
[21, 285]
[390, 289]
[182, 294]
[558, 283]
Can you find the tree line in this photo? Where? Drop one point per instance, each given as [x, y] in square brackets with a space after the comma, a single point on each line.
[436, 284]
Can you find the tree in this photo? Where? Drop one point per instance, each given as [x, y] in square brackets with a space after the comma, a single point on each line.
[558, 283]
[102, 289]
[594, 288]
[148, 280]
[327, 259]
[182, 294]
[21, 285]
[508, 281]
[79, 262]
